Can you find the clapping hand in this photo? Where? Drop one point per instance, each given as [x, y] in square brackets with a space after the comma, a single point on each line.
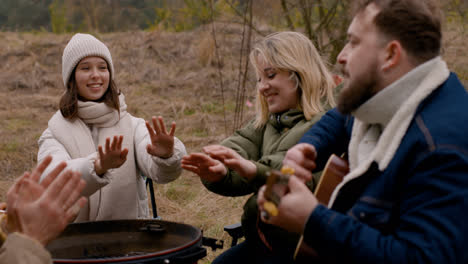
[42, 210]
[162, 143]
[113, 156]
[231, 159]
[204, 166]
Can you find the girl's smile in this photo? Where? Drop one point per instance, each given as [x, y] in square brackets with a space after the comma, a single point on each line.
[92, 78]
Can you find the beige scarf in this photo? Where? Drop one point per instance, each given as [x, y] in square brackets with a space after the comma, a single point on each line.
[116, 200]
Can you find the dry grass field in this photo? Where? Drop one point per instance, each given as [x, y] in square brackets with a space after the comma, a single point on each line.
[174, 75]
[167, 74]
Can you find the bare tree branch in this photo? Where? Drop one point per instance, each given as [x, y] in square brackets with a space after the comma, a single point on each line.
[220, 74]
[284, 5]
[250, 22]
[307, 17]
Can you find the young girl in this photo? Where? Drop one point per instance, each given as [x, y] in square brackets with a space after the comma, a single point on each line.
[96, 136]
[294, 88]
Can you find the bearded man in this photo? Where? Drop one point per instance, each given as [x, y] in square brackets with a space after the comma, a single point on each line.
[402, 120]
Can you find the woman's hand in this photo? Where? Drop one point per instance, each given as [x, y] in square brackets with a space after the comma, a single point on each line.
[42, 210]
[113, 157]
[204, 166]
[232, 160]
[162, 143]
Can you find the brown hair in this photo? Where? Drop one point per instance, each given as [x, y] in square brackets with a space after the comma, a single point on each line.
[69, 101]
[416, 24]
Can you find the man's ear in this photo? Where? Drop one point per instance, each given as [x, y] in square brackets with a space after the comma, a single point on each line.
[392, 56]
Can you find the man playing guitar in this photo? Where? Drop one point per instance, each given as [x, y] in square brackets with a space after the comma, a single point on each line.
[402, 120]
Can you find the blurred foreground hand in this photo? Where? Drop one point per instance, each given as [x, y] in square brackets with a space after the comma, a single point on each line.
[41, 210]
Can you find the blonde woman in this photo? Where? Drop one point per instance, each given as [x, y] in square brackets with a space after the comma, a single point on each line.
[294, 88]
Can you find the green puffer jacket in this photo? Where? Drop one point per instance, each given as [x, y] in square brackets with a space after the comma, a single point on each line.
[266, 147]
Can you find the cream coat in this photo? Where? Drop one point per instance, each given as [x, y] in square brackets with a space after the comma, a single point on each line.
[135, 205]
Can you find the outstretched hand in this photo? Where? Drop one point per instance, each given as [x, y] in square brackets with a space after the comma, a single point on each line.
[204, 166]
[42, 210]
[162, 143]
[113, 156]
[232, 160]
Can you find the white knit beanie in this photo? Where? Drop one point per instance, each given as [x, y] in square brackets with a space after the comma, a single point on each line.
[81, 46]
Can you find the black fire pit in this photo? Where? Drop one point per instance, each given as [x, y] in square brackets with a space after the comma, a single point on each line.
[129, 241]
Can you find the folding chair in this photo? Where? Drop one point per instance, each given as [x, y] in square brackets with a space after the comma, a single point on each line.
[206, 241]
[149, 184]
[235, 231]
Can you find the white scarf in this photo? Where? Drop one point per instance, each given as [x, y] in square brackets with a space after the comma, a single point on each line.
[77, 139]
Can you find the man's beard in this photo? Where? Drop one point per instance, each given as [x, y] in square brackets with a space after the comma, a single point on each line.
[355, 93]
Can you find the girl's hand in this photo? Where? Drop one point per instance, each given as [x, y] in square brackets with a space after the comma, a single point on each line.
[113, 157]
[232, 160]
[204, 166]
[162, 143]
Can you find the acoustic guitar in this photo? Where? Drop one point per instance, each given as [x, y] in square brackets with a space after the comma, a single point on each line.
[333, 173]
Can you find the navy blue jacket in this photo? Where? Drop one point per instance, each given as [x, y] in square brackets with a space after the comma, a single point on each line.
[416, 210]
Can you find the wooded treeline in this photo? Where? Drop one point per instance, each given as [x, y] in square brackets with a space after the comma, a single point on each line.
[323, 21]
[76, 15]
[123, 15]
[60, 16]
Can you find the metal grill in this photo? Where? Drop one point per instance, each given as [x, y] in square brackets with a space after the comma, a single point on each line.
[128, 241]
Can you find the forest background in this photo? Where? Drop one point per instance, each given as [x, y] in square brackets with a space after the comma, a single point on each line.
[186, 60]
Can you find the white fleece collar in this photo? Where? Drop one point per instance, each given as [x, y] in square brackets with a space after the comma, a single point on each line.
[421, 82]
[382, 107]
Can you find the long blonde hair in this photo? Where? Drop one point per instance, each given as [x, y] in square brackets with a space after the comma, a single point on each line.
[294, 52]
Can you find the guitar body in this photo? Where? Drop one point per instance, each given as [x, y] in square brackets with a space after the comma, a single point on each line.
[333, 173]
